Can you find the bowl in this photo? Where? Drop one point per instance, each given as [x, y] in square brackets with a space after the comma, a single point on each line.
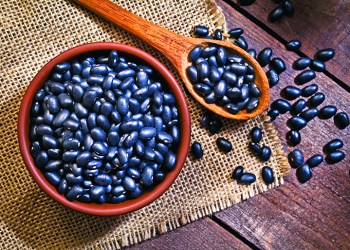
[105, 209]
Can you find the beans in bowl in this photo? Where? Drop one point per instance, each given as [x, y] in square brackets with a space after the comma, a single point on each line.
[103, 130]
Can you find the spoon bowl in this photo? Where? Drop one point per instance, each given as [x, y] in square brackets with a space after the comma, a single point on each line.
[177, 48]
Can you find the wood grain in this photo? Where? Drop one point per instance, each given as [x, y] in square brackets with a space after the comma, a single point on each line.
[297, 216]
[202, 234]
[318, 25]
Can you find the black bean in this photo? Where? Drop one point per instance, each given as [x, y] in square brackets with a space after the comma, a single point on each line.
[223, 144]
[293, 137]
[125, 74]
[252, 104]
[265, 153]
[290, 92]
[214, 75]
[341, 120]
[147, 176]
[100, 148]
[325, 55]
[281, 105]
[247, 178]
[195, 53]
[254, 90]
[273, 113]
[293, 45]
[201, 30]
[288, 7]
[202, 89]
[264, 56]
[236, 32]
[304, 77]
[296, 123]
[272, 77]
[218, 34]
[267, 175]
[74, 192]
[215, 126]
[296, 158]
[256, 134]
[304, 173]
[309, 90]
[252, 52]
[301, 63]
[316, 100]
[298, 107]
[98, 134]
[315, 160]
[221, 56]
[255, 148]
[333, 146]
[327, 112]
[60, 118]
[278, 65]
[232, 108]
[238, 68]
[208, 52]
[241, 42]
[203, 70]
[237, 173]
[335, 157]
[318, 66]
[276, 14]
[196, 150]
[170, 160]
[220, 89]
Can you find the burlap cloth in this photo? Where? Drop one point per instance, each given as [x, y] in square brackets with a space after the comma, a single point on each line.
[32, 32]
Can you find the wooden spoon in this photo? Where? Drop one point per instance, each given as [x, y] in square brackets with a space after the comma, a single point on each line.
[176, 48]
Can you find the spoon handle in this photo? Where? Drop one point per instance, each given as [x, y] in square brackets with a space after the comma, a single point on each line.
[170, 44]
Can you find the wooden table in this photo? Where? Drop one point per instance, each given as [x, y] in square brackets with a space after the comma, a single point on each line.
[314, 215]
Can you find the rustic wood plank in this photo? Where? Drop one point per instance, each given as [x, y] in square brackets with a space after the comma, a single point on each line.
[318, 24]
[297, 216]
[202, 234]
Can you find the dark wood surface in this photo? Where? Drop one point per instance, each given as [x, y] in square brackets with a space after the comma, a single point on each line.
[314, 215]
[317, 24]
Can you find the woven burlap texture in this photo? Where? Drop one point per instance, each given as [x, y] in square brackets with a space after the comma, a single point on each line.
[33, 32]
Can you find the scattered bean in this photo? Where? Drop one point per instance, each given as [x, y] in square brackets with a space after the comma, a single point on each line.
[293, 45]
[333, 146]
[335, 157]
[293, 137]
[304, 77]
[325, 55]
[296, 158]
[196, 150]
[327, 112]
[315, 160]
[301, 63]
[304, 173]
[237, 173]
[341, 120]
[223, 144]
[267, 175]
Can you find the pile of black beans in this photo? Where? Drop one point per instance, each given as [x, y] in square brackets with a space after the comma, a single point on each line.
[103, 129]
[222, 77]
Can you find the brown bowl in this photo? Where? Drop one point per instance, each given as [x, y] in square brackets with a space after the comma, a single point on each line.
[105, 209]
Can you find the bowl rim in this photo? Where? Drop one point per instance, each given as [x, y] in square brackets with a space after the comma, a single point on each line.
[105, 209]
